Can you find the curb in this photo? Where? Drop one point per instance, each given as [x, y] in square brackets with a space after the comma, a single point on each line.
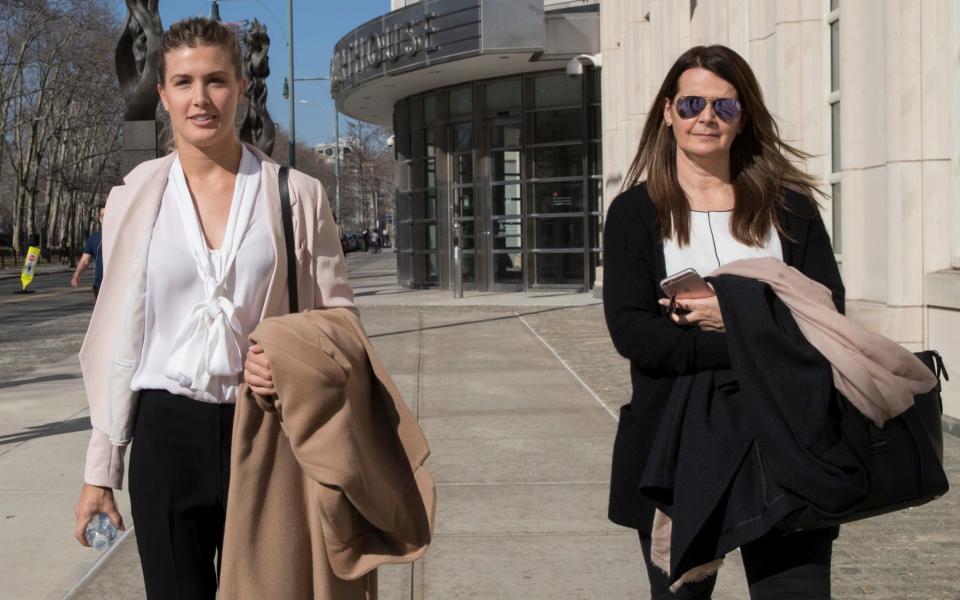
[98, 566]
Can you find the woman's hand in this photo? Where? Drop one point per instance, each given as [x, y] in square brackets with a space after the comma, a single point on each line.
[94, 500]
[257, 373]
[702, 312]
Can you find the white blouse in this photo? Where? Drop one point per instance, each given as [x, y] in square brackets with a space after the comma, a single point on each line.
[202, 304]
[712, 245]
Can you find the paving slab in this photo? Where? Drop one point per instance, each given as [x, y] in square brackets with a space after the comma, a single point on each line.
[514, 423]
[562, 565]
[521, 459]
[506, 509]
[442, 395]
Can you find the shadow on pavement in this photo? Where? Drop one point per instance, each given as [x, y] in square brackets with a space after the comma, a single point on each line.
[372, 275]
[41, 379]
[507, 317]
[46, 430]
[38, 315]
[382, 292]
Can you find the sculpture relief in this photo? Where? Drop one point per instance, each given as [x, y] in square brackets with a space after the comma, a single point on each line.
[136, 52]
[257, 127]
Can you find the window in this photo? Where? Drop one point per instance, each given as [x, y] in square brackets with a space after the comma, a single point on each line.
[556, 225]
[515, 164]
[416, 224]
[833, 99]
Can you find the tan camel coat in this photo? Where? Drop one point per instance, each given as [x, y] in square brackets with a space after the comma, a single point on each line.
[327, 480]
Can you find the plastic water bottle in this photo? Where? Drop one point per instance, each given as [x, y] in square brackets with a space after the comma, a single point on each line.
[101, 533]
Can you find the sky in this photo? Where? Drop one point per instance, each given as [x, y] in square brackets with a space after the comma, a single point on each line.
[317, 24]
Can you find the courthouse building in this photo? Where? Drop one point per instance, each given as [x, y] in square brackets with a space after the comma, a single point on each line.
[515, 122]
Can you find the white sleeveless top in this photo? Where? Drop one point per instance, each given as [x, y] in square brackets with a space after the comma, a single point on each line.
[712, 245]
[201, 303]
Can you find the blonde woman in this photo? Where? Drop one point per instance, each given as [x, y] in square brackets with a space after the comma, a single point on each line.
[195, 260]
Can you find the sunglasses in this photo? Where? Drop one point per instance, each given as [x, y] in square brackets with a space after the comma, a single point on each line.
[726, 109]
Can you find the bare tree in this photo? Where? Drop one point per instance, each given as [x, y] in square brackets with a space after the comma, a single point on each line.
[367, 176]
[60, 113]
[367, 173]
[308, 161]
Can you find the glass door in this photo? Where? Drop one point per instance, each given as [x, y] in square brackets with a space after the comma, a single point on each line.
[506, 206]
[462, 208]
[557, 237]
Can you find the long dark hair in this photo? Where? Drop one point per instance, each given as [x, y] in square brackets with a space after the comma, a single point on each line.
[760, 165]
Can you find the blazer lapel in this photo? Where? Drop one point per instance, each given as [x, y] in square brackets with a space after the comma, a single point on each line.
[130, 252]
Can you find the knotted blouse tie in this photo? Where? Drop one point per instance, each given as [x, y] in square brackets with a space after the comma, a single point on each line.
[207, 344]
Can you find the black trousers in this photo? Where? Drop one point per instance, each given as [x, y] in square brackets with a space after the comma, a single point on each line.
[778, 567]
[179, 473]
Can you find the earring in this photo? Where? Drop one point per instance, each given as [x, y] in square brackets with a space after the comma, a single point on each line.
[668, 124]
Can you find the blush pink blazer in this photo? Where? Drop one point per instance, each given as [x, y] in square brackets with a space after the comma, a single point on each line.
[112, 346]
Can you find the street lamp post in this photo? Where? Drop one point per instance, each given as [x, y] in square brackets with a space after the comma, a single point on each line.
[293, 110]
[336, 158]
[290, 94]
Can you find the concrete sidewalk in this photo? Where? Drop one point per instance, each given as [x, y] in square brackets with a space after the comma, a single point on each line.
[44, 430]
[374, 281]
[520, 452]
[517, 394]
[521, 456]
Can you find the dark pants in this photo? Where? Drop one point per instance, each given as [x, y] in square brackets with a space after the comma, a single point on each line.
[778, 567]
[179, 472]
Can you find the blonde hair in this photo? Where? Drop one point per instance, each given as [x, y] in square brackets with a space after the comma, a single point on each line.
[194, 32]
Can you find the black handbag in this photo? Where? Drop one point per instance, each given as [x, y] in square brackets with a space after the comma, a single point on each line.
[903, 459]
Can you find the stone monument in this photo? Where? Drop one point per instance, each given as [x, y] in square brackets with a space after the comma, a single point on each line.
[256, 126]
[137, 74]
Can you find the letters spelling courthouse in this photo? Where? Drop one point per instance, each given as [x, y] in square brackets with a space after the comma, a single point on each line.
[499, 147]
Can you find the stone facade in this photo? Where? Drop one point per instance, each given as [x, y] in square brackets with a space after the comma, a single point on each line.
[890, 153]
[899, 134]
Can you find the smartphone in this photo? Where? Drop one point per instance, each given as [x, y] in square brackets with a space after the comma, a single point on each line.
[686, 284]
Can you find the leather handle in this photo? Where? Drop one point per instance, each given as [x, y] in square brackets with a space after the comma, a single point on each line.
[287, 212]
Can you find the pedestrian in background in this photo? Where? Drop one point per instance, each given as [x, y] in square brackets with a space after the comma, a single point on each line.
[167, 347]
[712, 183]
[92, 252]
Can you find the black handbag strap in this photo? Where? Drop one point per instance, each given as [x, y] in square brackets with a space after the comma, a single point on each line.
[287, 214]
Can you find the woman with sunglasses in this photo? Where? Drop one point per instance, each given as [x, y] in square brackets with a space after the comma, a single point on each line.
[712, 182]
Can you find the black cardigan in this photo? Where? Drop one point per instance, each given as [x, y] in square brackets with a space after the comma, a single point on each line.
[658, 349]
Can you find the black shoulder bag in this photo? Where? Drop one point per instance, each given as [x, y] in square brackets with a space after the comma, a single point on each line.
[903, 459]
[287, 213]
